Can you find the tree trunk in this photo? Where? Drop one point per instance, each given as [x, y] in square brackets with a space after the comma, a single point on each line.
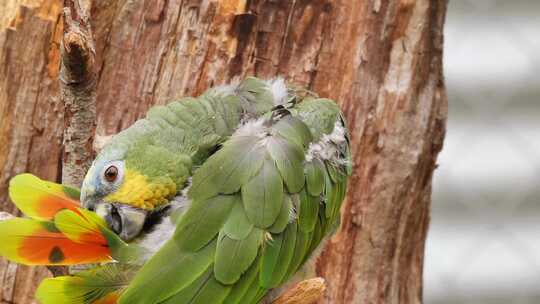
[380, 59]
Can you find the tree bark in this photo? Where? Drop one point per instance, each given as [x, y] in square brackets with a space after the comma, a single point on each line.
[78, 91]
[305, 292]
[381, 60]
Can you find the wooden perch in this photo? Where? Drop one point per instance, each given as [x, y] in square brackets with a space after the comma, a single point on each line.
[305, 292]
[78, 91]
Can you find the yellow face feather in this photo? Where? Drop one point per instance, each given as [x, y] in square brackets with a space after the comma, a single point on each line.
[137, 190]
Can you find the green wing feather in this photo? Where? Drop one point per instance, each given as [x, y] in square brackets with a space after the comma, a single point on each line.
[284, 216]
[277, 257]
[238, 225]
[314, 171]
[169, 271]
[263, 195]
[234, 257]
[186, 295]
[240, 288]
[259, 205]
[288, 157]
[228, 170]
[300, 252]
[308, 211]
[212, 292]
[202, 221]
[294, 130]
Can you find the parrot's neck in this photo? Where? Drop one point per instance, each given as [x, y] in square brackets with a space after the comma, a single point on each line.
[157, 237]
[161, 229]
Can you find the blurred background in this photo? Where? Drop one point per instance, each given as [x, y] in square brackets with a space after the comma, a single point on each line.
[484, 241]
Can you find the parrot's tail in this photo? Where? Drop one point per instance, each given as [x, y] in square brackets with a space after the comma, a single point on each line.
[57, 230]
[101, 285]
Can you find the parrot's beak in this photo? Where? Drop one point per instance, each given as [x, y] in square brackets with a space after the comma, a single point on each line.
[124, 220]
[88, 197]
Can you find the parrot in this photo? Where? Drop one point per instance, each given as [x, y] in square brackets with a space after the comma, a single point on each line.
[221, 198]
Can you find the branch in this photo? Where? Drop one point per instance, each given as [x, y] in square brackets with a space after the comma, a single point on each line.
[78, 89]
[305, 292]
[78, 93]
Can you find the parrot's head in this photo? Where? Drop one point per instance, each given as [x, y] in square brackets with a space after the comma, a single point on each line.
[129, 185]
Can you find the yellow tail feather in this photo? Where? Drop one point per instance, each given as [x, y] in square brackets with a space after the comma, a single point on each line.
[41, 199]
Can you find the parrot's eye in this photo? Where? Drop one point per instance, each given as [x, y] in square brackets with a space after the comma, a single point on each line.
[110, 174]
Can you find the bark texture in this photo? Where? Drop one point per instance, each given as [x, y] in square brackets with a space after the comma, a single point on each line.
[380, 59]
[305, 292]
[78, 91]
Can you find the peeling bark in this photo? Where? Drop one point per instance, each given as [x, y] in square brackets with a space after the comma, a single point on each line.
[380, 59]
[78, 91]
[397, 115]
[31, 122]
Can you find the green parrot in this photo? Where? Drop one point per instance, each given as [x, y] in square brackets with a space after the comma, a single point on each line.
[228, 194]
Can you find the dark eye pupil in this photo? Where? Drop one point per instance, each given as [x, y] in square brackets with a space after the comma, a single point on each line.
[111, 173]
